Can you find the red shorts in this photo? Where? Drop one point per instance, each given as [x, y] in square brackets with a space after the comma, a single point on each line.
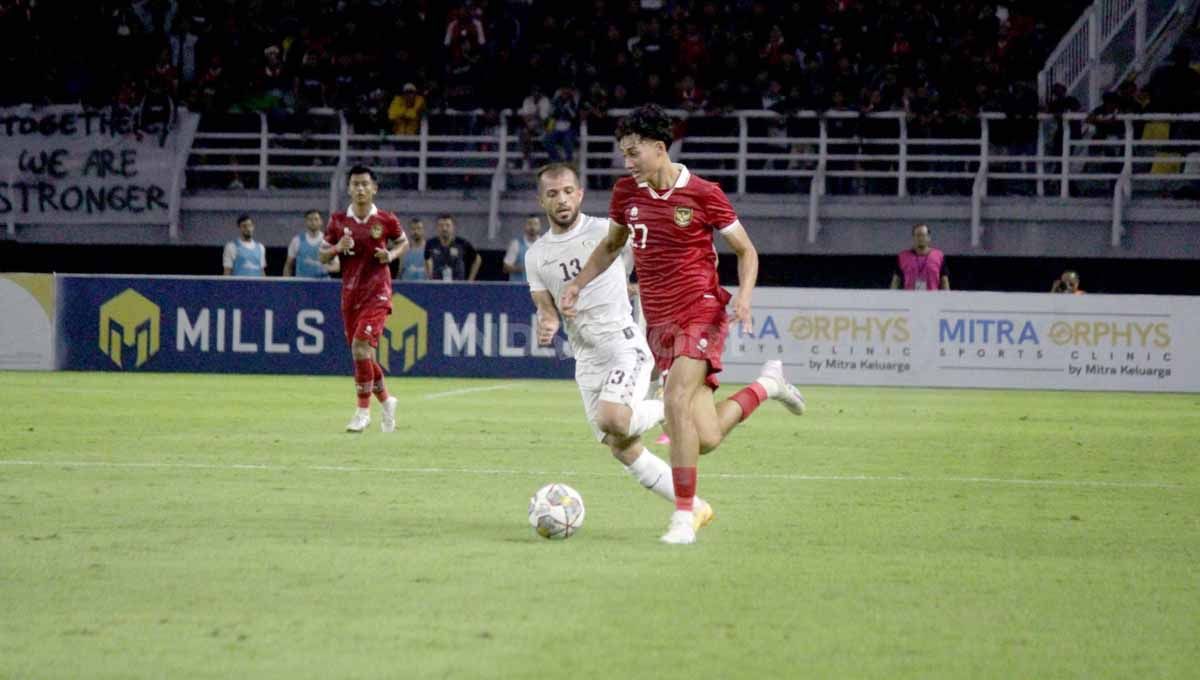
[365, 324]
[698, 334]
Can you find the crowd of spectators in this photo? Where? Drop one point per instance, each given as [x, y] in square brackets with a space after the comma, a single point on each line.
[386, 63]
[932, 57]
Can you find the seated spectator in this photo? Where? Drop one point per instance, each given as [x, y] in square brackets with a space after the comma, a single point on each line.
[309, 85]
[563, 125]
[1068, 283]
[534, 112]
[406, 111]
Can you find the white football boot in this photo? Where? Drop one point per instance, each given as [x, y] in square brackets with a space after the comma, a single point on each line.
[680, 531]
[360, 421]
[779, 389]
[388, 422]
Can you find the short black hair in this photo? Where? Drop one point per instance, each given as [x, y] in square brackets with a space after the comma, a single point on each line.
[360, 170]
[648, 121]
[554, 169]
[312, 211]
[445, 216]
[416, 219]
[242, 218]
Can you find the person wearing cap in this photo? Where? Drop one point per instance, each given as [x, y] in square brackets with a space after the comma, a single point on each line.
[405, 113]
[406, 110]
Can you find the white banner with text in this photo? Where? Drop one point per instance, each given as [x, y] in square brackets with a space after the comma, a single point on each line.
[968, 339]
[71, 165]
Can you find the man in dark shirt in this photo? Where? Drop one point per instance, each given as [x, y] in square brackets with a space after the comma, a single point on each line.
[449, 257]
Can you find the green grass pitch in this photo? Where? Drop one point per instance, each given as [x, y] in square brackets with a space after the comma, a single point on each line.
[187, 526]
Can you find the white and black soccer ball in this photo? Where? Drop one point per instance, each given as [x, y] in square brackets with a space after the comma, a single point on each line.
[556, 511]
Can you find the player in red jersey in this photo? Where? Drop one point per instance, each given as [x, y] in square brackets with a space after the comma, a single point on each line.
[365, 239]
[671, 215]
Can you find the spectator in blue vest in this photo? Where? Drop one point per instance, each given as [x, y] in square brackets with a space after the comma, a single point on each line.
[245, 256]
[514, 258]
[303, 259]
[412, 267]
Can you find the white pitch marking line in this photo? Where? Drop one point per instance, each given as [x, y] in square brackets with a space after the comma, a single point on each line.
[573, 473]
[467, 390]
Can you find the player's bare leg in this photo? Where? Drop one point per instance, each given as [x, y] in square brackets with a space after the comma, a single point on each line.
[715, 422]
[684, 380]
[658, 380]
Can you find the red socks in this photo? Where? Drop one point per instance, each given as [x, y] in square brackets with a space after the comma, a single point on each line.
[749, 398]
[380, 391]
[364, 381]
[685, 487]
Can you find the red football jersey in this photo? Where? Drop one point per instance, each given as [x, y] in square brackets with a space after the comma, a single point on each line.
[366, 281]
[672, 236]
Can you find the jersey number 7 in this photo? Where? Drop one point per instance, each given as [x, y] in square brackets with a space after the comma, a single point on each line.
[637, 234]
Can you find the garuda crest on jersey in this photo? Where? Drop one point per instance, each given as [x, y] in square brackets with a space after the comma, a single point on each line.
[376, 230]
[683, 217]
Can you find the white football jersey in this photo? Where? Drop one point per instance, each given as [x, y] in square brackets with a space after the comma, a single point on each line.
[554, 260]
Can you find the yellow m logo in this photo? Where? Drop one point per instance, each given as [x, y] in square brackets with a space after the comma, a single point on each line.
[406, 332]
[129, 319]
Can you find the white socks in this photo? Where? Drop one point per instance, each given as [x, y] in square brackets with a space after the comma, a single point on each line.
[646, 414]
[654, 473]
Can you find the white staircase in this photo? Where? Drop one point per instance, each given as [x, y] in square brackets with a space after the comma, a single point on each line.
[1112, 40]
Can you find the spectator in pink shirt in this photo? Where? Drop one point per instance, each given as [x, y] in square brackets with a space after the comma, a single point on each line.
[921, 267]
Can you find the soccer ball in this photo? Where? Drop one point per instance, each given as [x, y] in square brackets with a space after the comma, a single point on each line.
[556, 511]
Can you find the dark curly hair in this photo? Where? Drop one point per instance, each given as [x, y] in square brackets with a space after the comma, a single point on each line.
[648, 122]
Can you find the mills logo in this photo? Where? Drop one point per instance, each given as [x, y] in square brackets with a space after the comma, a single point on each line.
[129, 320]
[406, 333]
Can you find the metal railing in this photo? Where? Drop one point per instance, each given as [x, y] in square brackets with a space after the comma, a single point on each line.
[834, 153]
[1110, 40]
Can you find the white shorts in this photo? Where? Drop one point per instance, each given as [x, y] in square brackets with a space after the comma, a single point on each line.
[618, 372]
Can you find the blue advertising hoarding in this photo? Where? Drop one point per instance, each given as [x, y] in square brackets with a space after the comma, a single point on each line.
[290, 326]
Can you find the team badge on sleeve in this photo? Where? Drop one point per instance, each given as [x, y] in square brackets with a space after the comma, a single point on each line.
[683, 216]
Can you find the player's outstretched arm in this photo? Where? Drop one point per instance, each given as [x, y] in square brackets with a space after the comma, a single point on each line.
[547, 317]
[747, 256]
[606, 252]
[602, 257]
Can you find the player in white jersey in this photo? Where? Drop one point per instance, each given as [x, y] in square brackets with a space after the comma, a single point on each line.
[612, 360]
